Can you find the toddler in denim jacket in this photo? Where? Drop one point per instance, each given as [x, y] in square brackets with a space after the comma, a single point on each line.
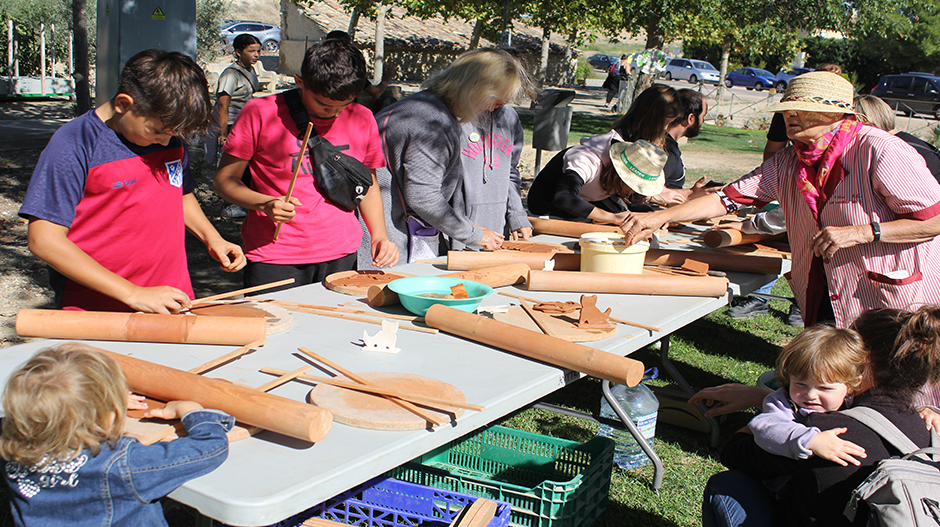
[65, 458]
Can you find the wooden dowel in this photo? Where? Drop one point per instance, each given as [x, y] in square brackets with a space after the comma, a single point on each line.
[320, 522]
[289, 305]
[226, 358]
[413, 397]
[431, 418]
[360, 319]
[284, 378]
[246, 290]
[293, 178]
[618, 320]
[534, 316]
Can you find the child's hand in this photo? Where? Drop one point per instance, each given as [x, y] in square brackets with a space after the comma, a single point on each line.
[280, 211]
[931, 417]
[827, 445]
[135, 402]
[174, 410]
[161, 299]
[384, 253]
[521, 234]
[228, 254]
[491, 239]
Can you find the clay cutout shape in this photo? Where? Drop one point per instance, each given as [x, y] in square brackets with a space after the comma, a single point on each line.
[533, 247]
[557, 308]
[591, 317]
[694, 266]
[365, 278]
[277, 318]
[548, 265]
[492, 310]
[459, 291]
[357, 283]
[383, 341]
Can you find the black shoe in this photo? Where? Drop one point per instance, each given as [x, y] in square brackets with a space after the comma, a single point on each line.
[750, 307]
[795, 318]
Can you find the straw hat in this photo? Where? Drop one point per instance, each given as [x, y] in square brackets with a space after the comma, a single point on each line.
[640, 166]
[817, 91]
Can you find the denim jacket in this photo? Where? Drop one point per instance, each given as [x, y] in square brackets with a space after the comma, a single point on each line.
[120, 486]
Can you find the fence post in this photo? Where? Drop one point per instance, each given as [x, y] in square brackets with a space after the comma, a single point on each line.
[42, 58]
[10, 55]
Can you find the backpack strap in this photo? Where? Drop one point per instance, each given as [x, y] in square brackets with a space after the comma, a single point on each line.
[882, 426]
[298, 112]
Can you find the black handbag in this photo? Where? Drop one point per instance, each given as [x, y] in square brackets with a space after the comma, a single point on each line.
[342, 179]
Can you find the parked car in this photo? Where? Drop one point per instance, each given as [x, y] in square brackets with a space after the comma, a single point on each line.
[911, 93]
[268, 34]
[750, 78]
[783, 77]
[602, 61]
[694, 71]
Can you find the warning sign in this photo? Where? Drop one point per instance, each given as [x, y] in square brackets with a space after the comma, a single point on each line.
[158, 14]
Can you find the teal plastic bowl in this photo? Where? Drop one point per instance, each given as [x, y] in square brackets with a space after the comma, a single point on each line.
[410, 289]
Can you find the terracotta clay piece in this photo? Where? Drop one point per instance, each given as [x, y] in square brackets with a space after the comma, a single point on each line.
[695, 266]
[459, 291]
[366, 279]
[557, 308]
[534, 247]
[591, 317]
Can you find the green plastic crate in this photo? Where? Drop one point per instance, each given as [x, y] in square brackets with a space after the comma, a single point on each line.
[549, 482]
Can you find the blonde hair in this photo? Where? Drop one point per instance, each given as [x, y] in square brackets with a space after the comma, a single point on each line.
[873, 111]
[60, 402]
[480, 78]
[824, 353]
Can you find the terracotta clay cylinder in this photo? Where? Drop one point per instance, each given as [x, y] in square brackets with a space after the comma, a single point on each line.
[494, 276]
[632, 284]
[469, 260]
[573, 229]
[247, 405]
[139, 327]
[730, 237]
[538, 346]
[739, 263]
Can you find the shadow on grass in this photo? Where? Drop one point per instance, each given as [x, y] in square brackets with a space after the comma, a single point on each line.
[618, 515]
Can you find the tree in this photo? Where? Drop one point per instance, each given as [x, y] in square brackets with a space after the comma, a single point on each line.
[27, 15]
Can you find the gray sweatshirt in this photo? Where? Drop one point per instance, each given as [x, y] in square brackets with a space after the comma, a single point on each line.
[489, 194]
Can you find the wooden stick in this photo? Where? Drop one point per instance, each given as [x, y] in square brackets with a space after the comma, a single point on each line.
[293, 178]
[478, 514]
[532, 314]
[360, 319]
[431, 418]
[320, 522]
[413, 397]
[618, 320]
[243, 291]
[226, 358]
[285, 377]
[290, 305]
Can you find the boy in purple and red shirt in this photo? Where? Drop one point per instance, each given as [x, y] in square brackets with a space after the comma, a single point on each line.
[111, 196]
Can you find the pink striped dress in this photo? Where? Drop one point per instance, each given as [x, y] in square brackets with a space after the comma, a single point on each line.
[885, 180]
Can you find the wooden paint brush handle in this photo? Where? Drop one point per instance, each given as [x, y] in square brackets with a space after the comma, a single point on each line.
[293, 178]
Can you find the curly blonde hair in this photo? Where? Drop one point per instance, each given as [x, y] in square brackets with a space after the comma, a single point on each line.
[61, 401]
[824, 353]
[480, 78]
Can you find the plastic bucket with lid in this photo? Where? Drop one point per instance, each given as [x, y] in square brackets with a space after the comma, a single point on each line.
[606, 252]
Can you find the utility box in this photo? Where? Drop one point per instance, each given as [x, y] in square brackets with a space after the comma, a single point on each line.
[127, 27]
[552, 120]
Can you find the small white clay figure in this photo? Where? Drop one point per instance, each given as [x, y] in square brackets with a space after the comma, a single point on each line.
[384, 340]
[548, 265]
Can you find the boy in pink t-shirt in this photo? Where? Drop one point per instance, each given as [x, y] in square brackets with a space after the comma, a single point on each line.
[316, 237]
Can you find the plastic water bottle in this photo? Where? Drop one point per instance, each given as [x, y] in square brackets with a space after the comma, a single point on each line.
[642, 407]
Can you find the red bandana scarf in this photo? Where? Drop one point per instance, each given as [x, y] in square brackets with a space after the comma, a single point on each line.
[819, 170]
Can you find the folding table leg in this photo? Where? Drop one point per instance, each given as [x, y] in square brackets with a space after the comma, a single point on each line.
[640, 440]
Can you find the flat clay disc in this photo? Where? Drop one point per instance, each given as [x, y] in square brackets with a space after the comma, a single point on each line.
[363, 410]
[357, 283]
[562, 326]
[534, 247]
[277, 318]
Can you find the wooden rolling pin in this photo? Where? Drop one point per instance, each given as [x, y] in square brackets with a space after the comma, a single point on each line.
[534, 345]
[248, 405]
[633, 284]
[730, 237]
[501, 276]
[467, 260]
[573, 229]
[139, 327]
[470, 260]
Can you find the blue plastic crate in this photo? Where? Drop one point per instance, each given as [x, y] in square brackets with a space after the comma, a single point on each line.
[387, 502]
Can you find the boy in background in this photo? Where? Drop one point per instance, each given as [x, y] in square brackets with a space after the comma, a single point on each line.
[111, 196]
[317, 237]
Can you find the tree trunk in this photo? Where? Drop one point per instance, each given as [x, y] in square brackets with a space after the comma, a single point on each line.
[572, 72]
[80, 53]
[382, 9]
[477, 31]
[353, 22]
[542, 74]
[655, 38]
[723, 69]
